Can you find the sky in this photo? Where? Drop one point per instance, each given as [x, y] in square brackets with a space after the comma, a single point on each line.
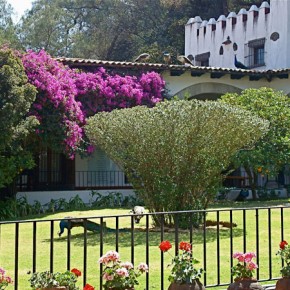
[20, 6]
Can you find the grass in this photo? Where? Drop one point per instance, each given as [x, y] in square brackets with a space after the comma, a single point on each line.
[257, 240]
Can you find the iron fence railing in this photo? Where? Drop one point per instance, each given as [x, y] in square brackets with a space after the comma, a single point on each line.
[57, 180]
[34, 245]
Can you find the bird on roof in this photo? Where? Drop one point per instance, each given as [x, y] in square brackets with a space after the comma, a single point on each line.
[184, 60]
[167, 57]
[238, 64]
[142, 57]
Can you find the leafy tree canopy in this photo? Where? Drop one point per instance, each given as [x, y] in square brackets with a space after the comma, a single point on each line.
[116, 29]
[16, 97]
[175, 152]
[271, 153]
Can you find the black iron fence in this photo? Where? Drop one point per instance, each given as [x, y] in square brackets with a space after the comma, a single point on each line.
[29, 246]
[32, 180]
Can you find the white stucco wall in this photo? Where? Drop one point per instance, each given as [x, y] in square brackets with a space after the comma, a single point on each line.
[201, 38]
[176, 84]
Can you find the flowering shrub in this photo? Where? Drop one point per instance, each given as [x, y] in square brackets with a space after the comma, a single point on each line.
[120, 275]
[4, 279]
[66, 97]
[284, 253]
[183, 270]
[47, 280]
[245, 266]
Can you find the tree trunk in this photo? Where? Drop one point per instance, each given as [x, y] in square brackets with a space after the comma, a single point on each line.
[252, 181]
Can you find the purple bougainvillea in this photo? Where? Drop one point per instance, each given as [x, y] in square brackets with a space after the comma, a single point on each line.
[66, 97]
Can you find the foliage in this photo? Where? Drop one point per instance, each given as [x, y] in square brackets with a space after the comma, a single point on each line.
[113, 199]
[120, 275]
[176, 148]
[47, 280]
[66, 97]
[125, 28]
[270, 154]
[4, 279]
[183, 270]
[284, 253]
[7, 28]
[17, 95]
[245, 266]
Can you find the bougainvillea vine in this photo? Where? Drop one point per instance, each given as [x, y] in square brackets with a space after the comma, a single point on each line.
[67, 96]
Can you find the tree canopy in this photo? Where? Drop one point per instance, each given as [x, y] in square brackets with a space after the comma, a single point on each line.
[112, 29]
[271, 153]
[16, 98]
[175, 152]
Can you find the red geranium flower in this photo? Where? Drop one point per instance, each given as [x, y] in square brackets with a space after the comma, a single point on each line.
[77, 272]
[165, 246]
[89, 287]
[185, 246]
[283, 244]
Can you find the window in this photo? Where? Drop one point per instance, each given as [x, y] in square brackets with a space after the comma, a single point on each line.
[256, 53]
[202, 59]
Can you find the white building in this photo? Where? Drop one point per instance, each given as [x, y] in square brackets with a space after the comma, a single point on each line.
[258, 37]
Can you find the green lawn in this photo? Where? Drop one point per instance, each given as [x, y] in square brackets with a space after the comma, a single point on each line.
[212, 238]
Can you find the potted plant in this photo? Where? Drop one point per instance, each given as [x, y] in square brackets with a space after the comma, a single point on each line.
[46, 280]
[4, 279]
[243, 272]
[284, 253]
[120, 275]
[183, 275]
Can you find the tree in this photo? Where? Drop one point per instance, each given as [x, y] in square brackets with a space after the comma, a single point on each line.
[271, 153]
[7, 28]
[116, 29]
[175, 152]
[16, 97]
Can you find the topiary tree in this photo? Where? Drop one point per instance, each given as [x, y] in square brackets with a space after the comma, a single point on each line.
[174, 153]
[270, 154]
[16, 97]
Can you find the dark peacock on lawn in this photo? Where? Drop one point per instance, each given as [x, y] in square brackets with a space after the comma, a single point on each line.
[70, 222]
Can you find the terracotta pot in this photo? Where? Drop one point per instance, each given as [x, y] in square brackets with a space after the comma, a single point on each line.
[195, 285]
[283, 284]
[245, 284]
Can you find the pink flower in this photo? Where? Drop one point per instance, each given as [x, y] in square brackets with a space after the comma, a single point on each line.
[111, 256]
[239, 256]
[142, 267]
[249, 256]
[127, 265]
[108, 277]
[252, 266]
[123, 272]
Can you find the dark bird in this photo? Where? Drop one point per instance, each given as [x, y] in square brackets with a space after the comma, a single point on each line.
[142, 57]
[69, 223]
[238, 64]
[167, 57]
[228, 41]
[184, 60]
